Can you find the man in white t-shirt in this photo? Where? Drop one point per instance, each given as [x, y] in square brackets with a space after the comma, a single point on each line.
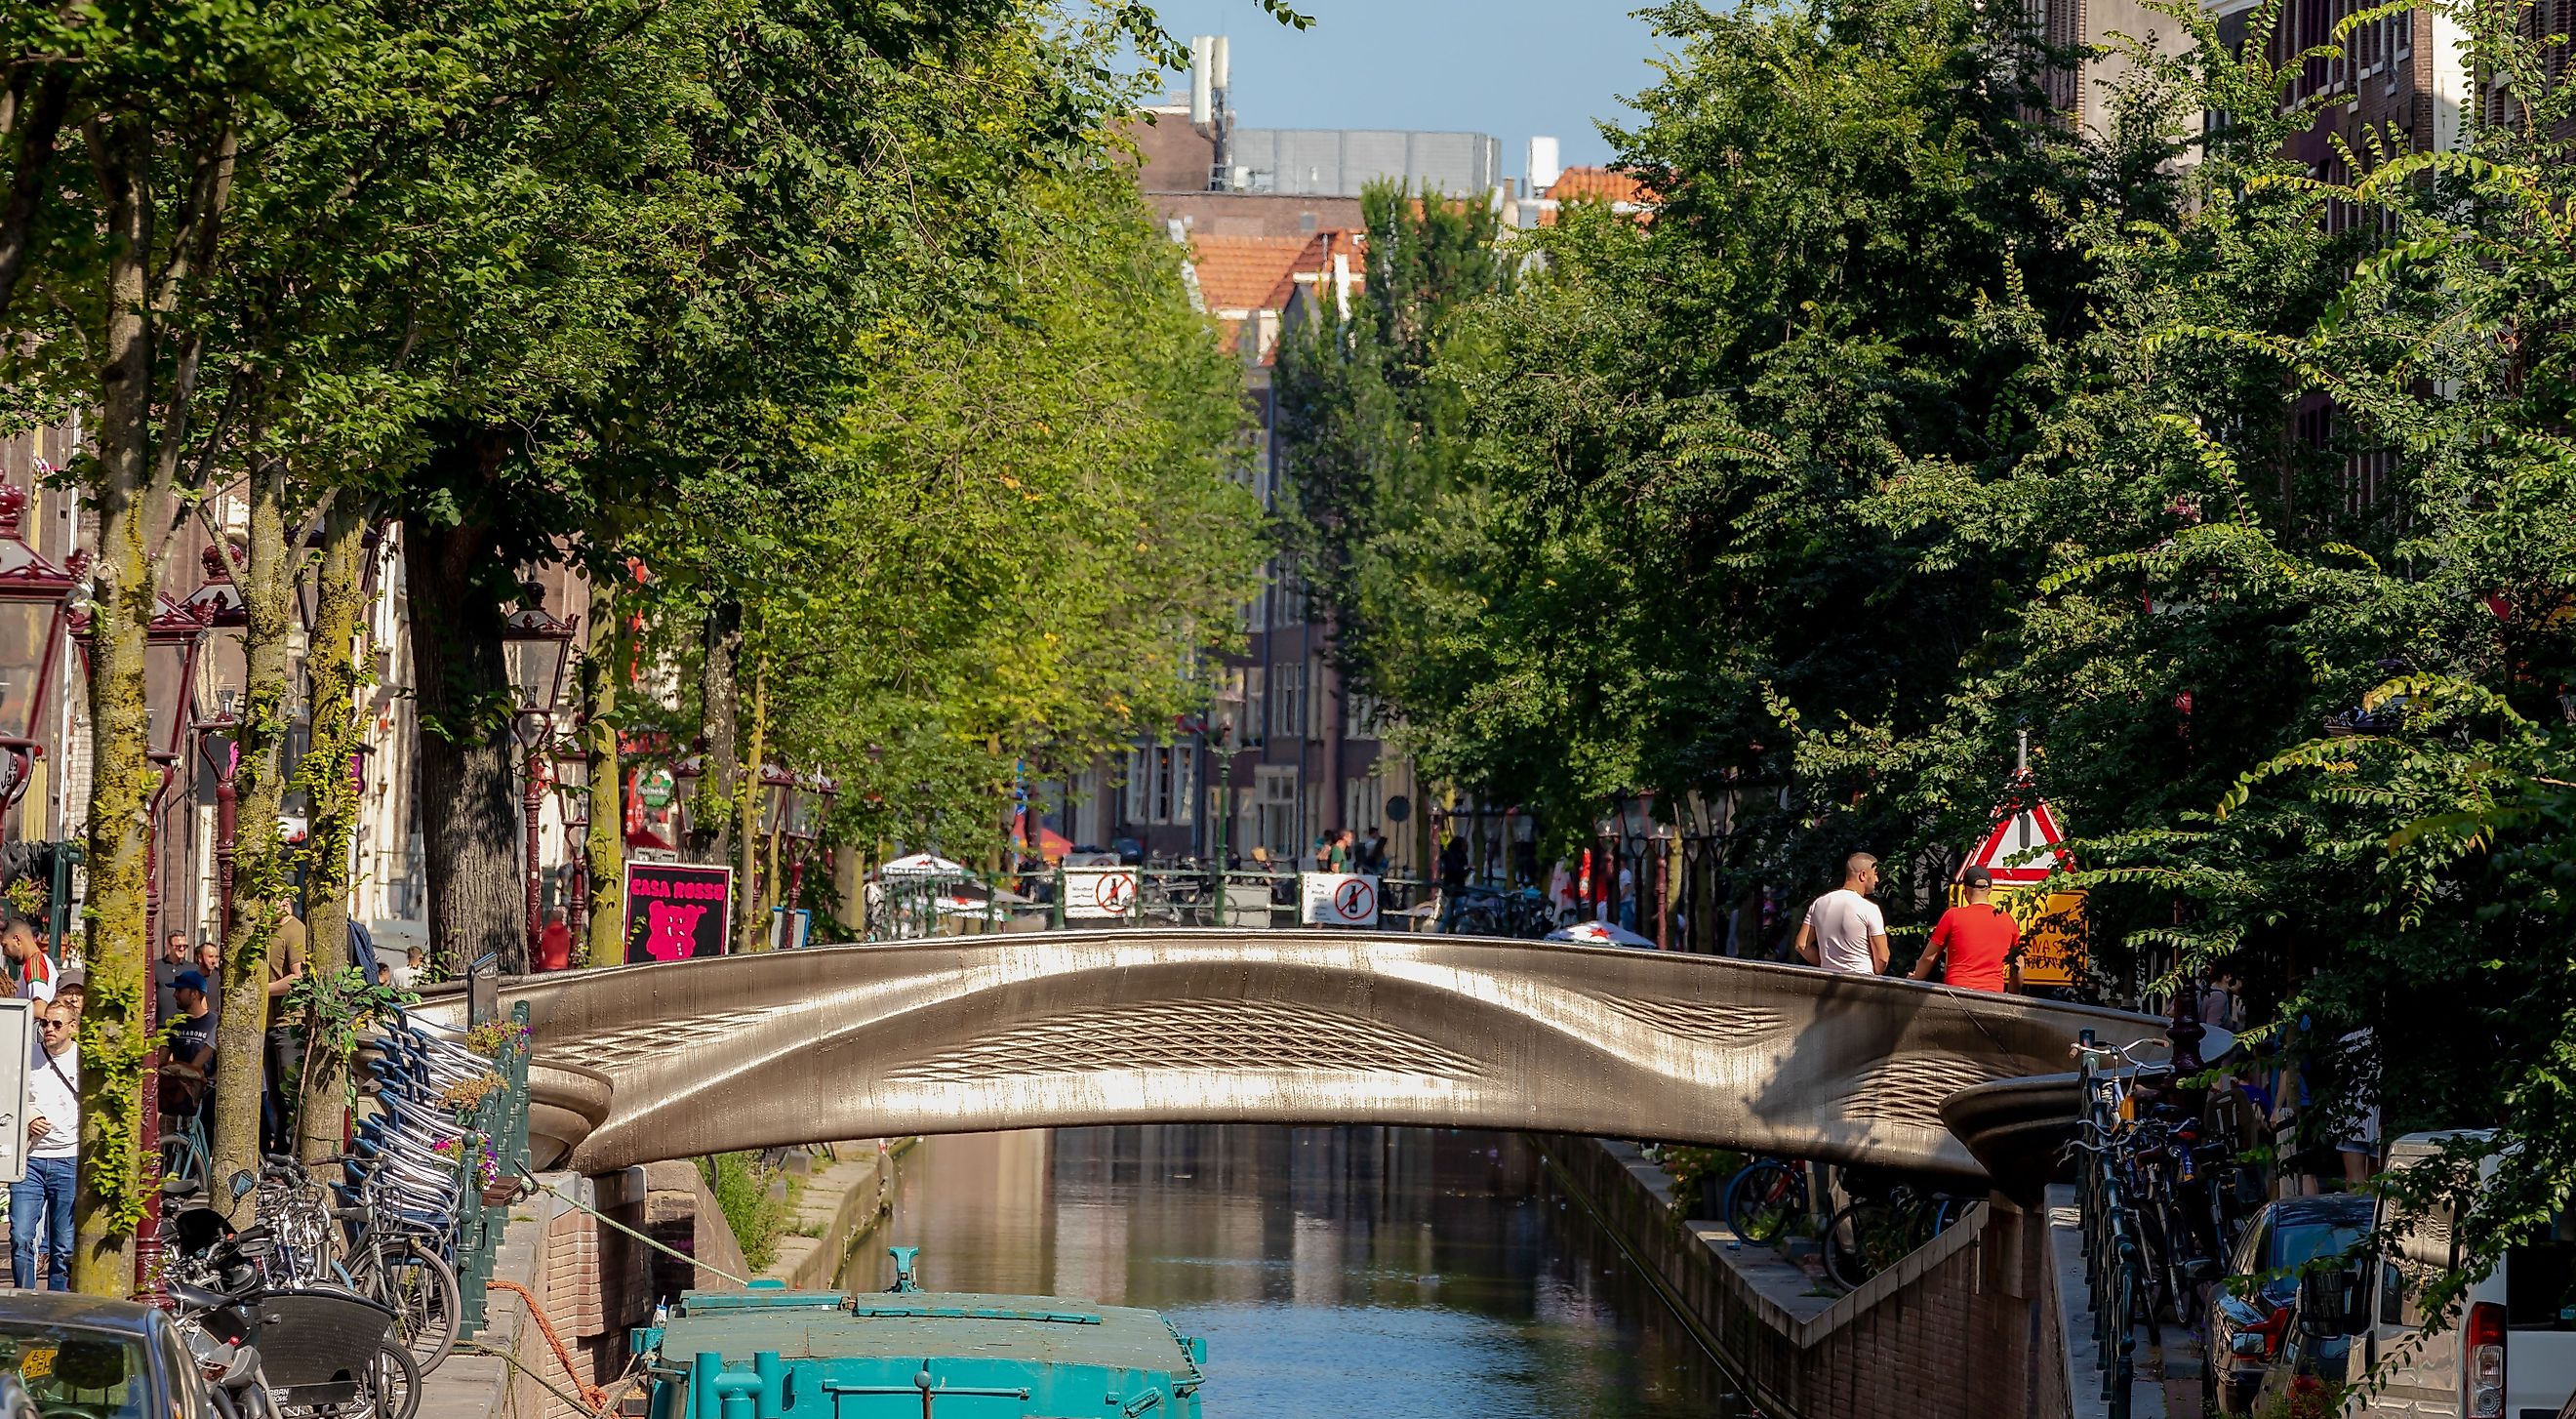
[40, 1206]
[1844, 929]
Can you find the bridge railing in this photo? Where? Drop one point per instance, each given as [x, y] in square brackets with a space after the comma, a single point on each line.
[494, 1151]
[906, 910]
[2114, 1258]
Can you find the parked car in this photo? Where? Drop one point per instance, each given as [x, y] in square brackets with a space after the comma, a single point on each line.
[2251, 1315]
[2508, 1352]
[85, 1355]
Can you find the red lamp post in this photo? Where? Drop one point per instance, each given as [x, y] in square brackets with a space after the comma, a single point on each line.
[219, 686]
[572, 800]
[35, 599]
[807, 815]
[536, 643]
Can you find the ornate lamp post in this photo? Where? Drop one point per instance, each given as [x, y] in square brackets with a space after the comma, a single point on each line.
[216, 693]
[684, 791]
[808, 812]
[35, 597]
[572, 800]
[535, 643]
[170, 646]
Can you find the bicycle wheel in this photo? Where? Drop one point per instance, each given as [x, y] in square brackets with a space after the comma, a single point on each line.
[420, 1289]
[392, 1390]
[1865, 1238]
[1763, 1199]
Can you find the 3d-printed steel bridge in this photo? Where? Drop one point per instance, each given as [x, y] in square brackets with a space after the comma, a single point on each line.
[1066, 1028]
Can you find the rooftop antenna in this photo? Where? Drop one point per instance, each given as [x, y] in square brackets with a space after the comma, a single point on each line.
[1211, 112]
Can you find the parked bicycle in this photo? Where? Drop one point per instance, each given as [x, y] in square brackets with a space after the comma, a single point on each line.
[1765, 1199]
[1885, 1221]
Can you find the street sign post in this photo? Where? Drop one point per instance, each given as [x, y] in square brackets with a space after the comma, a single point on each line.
[677, 911]
[2025, 844]
[1344, 899]
[1099, 893]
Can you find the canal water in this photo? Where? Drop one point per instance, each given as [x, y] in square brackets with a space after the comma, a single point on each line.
[1333, 1271]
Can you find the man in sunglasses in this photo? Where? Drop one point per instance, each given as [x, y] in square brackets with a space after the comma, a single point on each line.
[40, 1207]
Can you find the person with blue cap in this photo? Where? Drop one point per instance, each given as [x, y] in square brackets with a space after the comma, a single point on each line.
[188, 1066]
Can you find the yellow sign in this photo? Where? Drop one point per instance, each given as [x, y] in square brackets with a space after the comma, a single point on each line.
[2054, 940]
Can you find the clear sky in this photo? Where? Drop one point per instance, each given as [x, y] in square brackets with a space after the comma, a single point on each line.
[1511, 68]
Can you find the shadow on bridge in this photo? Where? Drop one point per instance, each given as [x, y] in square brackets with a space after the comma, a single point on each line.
[645, 1063]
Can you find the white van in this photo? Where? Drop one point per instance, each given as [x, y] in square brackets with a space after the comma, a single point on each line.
[2511, 1353]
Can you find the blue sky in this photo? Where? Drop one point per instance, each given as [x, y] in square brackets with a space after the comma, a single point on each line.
[1511, 68]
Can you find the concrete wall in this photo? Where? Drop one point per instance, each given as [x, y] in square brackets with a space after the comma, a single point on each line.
[1965, 1327]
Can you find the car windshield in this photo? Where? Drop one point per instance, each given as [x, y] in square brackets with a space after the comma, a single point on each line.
[73, 1370]
[2296, 1246]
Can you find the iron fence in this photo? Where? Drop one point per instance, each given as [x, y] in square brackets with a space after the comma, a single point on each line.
[2114, 1259]
[498, 1120]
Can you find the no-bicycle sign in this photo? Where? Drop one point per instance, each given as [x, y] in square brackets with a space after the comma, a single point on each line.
[1338, 899]
[1093, 893]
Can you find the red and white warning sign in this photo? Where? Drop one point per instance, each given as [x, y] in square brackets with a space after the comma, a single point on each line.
[2024, 846]
[1339, 899]
[1096, 892]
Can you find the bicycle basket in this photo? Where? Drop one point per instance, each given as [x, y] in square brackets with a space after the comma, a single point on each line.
[316, 1345]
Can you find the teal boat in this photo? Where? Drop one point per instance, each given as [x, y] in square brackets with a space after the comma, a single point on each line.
[771, 1353]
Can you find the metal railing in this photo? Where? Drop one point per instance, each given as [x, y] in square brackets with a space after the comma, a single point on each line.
[2114, 1258]
[906, 910]
[499, 1118]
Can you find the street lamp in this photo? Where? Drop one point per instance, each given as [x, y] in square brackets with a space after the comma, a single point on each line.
[777, 797]
[170, 644]
[572, 800]
[217, 688]
[35, 596]
[535, 644]
[684, 796]
[807, 816]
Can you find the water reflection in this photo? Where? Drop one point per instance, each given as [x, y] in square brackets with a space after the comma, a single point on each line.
[1350, 1271]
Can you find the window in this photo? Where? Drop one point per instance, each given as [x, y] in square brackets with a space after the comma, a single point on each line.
[2426, 1251]
[1365, 718]
[1162, 781]
[1256, 705]
[1288, 699]
[1274, 809]
[1363, 803]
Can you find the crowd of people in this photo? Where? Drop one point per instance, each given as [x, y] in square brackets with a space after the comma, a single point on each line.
[187, 999]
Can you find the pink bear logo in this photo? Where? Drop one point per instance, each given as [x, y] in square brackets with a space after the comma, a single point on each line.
[670, 933]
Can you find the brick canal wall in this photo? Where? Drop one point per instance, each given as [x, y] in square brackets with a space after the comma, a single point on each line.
[1965, 1327]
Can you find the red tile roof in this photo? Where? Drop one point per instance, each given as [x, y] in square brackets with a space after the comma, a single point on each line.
[1597, 185]
[1315, 258]
[1240, 272]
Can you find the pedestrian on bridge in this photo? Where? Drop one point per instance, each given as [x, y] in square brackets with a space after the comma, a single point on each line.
[1974, 943]
[1844, 930]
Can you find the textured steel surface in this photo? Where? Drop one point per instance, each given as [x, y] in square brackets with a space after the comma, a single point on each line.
[644, 1063]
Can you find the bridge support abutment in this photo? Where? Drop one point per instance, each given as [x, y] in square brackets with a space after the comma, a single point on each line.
[1965, 1328]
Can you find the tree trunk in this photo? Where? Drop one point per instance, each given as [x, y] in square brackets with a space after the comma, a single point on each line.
[115, 1028]
[747, 807]
[331, 797]
[37, 108]
[604, 844]
[470, 845]
[721, 768]
[262, 887]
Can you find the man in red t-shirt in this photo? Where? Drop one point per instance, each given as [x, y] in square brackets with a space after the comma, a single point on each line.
[1975, 941]
[554, 943]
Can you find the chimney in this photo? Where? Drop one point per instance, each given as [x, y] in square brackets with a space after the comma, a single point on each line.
[1544, 167]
